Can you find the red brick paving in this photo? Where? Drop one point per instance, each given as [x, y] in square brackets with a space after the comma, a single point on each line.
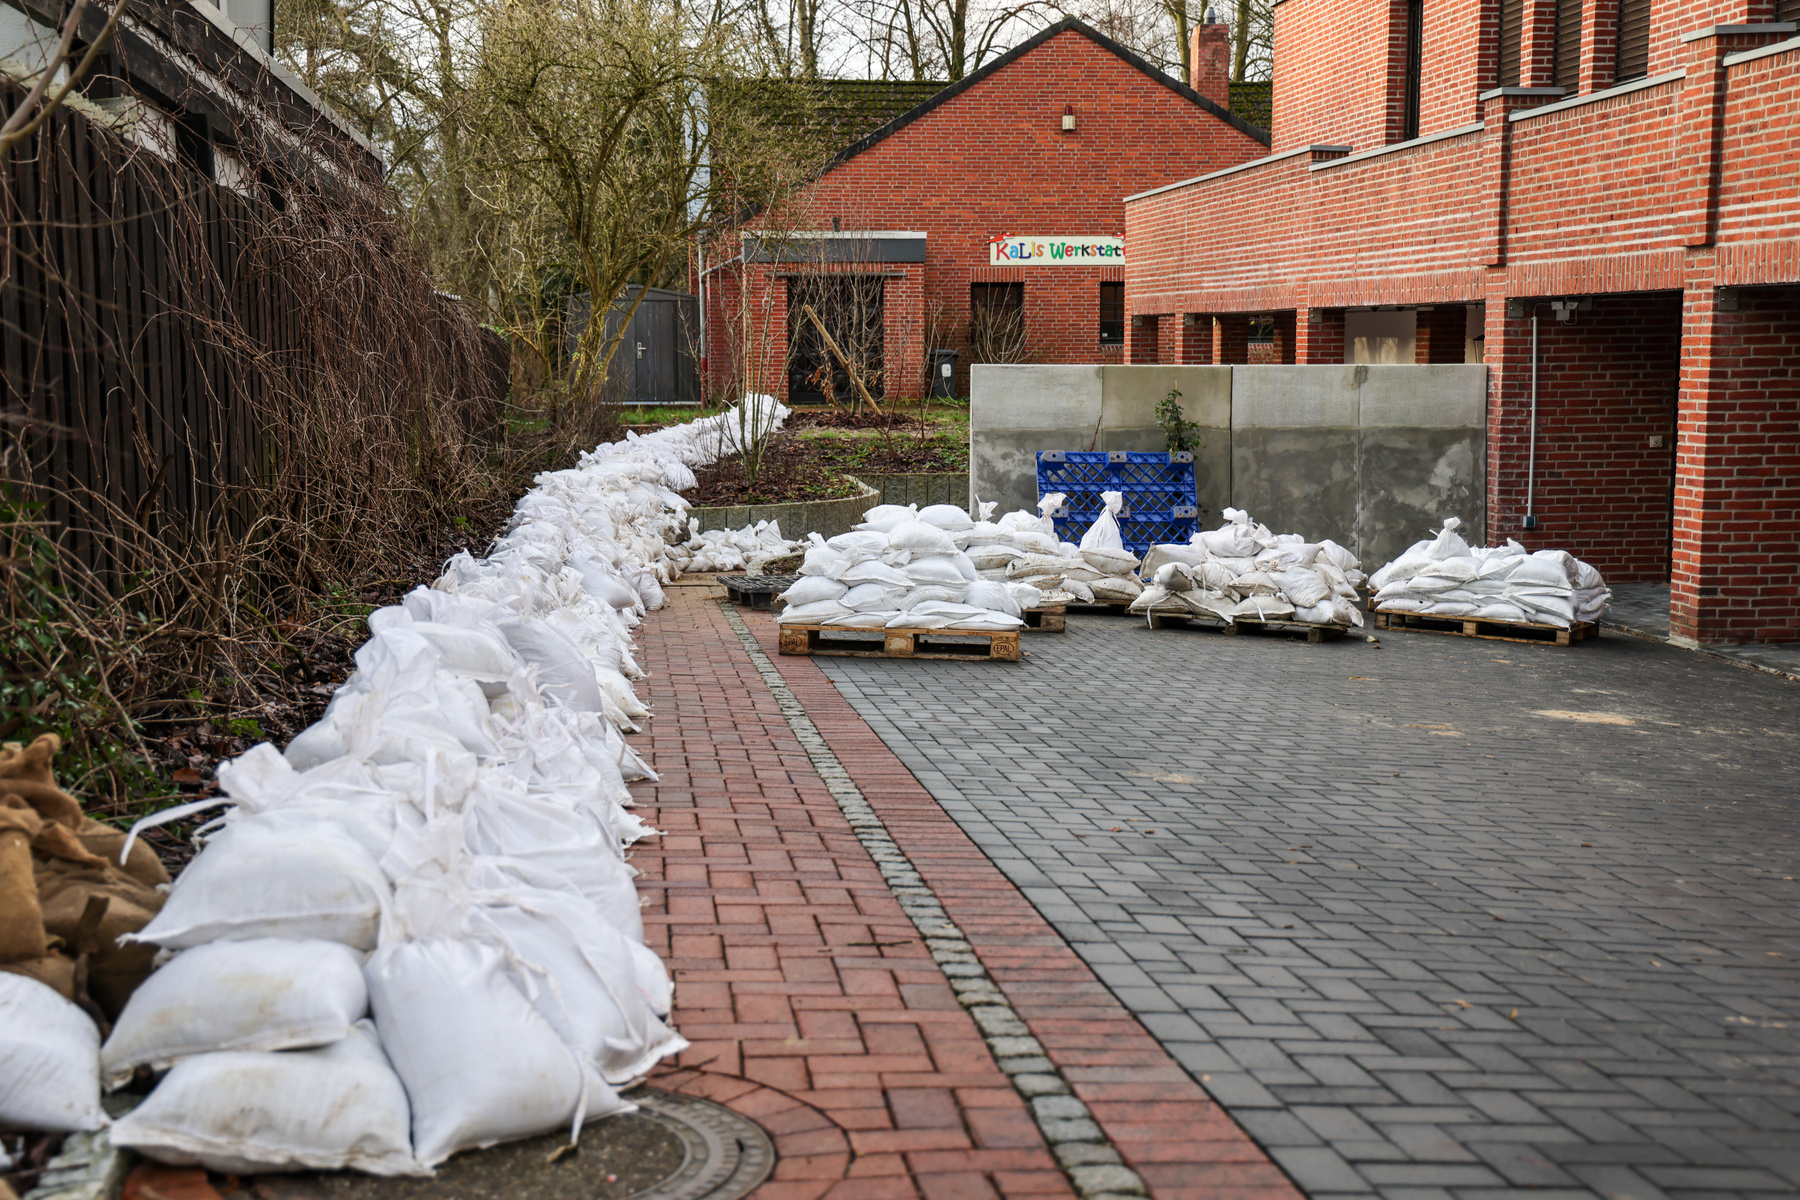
[811, 1002]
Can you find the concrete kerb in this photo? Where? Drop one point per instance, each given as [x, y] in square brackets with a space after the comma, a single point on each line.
[1092, 1164]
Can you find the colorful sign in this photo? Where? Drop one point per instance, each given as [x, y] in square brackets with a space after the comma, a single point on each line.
[1084, 251]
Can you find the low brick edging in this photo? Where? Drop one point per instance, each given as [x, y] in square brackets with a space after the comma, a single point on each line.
[1160, 1120]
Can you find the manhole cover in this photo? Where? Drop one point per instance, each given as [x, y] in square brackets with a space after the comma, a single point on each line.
[673, 1148]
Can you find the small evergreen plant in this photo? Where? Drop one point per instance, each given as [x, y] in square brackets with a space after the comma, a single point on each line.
[1176, 427]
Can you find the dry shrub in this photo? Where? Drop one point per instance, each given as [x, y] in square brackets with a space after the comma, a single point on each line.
[235, 418]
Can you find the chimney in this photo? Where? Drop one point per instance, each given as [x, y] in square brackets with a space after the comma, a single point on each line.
[1209, 59]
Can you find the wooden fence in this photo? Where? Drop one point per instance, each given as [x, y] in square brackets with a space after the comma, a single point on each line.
[149, 326]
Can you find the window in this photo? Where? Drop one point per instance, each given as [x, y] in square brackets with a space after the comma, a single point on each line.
[1512, 29]
[1566, 73]
[997, 322]
[193, 142]
[1633, 60]
[1112, 314]
[1415, 45]
[1787, 10]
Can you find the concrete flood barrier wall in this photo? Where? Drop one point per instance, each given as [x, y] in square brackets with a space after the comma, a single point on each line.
[1372, 456]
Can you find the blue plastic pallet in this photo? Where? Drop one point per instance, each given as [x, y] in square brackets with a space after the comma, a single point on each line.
[1158, 488]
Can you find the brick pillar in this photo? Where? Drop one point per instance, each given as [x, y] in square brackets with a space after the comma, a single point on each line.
[1196, 338]
[1209, 63]
[1736, 555]
[1442, 334]
[903, 337]
[1508, 356]
[1141, 338]
[1231, 338]
[1496, 164]
[1284, 337]
[1700, 132]
[1599, 44]
[1319, 335]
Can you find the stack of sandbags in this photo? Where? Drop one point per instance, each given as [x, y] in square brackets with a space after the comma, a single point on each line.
[1445, 577]
[718, 550]
[65, 901]
[416, 931]
[64, 895]
[1242, 571]
[901, 569]
[1022, 548]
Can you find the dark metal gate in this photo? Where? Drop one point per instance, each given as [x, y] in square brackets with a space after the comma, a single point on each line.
[655, 362]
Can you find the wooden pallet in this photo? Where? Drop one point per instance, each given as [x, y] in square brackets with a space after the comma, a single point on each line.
[756, 591]
[990, 645]
[1117, 610]
[1496, 631]
[1052, 618]
[1314, 633]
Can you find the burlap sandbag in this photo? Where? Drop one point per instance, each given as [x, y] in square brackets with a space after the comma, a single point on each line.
[106, 842]
[56, 971]
[25, 771]
[21, 919]
[114, 971]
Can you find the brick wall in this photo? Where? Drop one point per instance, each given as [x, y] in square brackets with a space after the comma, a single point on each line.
[995, 160]
[1607, 384]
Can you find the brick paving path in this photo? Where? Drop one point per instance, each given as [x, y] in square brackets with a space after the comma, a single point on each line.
[813, 1003]
[1447, 918]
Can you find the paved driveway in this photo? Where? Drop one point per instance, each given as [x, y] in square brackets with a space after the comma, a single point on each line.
[1443, 917]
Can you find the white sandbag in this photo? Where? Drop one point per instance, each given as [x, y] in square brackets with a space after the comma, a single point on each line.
[255, 879]
[1115, 589]
[1537, 570]
[986, 558]
[875, 572]
[480, 1064]
[479, 654]
[337, 1108]
[1207, 604]
[1103, 534]
[260, 994]
[866, 596]
[1447, 544]
[947, 517]
[1080, 591]
[944, 593]
[1303, 587]
[992, 596]
[823, 560]
[49, 1060]
[1033, 541]
[1228, 542]
[1109, 561]
[940, 569]
[875, 618]
[885, 518]
[811, 614]
[1174, 577]
[812, 588]
[919, 539]
[1261, 607]
[1025, 596]
[564, 672]
[1256, 583]
[580, 975]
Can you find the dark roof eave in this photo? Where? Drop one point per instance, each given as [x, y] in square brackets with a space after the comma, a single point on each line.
[1067, 24]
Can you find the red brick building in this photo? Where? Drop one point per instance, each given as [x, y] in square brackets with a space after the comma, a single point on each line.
[1041, 146]
[1612, 182]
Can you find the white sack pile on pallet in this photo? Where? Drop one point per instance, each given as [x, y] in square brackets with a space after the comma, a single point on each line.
[1242, 571]
[721, 550]
[1021, 548]
[902, 569]
[415, 931]
[1445, 577]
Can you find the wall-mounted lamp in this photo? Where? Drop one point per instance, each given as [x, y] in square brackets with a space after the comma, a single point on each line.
[1068, 118]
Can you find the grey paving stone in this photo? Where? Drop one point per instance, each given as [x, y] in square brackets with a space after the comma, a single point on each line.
[1313, 925]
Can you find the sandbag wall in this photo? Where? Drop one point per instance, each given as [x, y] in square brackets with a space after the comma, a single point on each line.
[415, 930]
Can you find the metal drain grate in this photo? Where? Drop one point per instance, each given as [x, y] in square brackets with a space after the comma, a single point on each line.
[727, 1156]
